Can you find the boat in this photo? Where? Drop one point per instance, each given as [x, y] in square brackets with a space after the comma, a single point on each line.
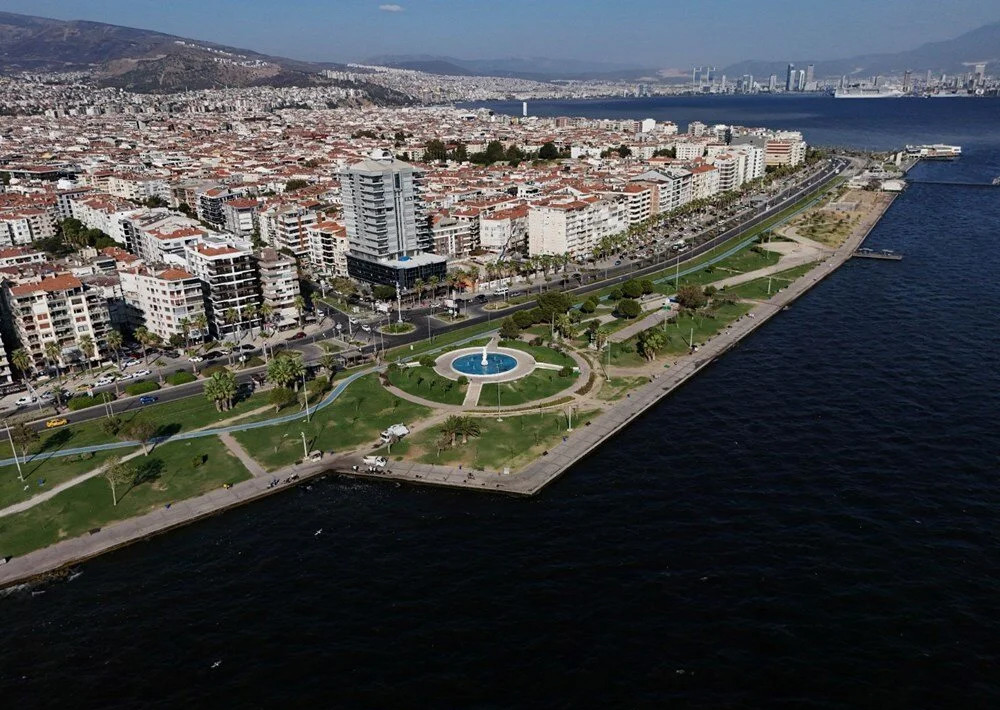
[867, 92]
[936, 151]
[996, 181]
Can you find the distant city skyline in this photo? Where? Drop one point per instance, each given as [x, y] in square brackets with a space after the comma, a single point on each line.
[641, 33]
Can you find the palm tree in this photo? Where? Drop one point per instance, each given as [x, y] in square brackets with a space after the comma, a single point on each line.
[115, 340]
[21, 360]
[230, 316]
[141, 335]
[221, 388]
[285, 371]
[300, 307]
[419, 287]
[328, 362]
[185, 324]
[200, 322]
[53, 353]
[250, 313]
[468, 426]
[88, 348]
[450, 429]
[433, 282]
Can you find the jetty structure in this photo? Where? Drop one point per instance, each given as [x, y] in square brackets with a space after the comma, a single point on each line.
[582, 435]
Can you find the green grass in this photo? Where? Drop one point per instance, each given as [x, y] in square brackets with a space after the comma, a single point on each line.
[52, 471]
[758, 288]
[739, 263]
[679, 332]
[397, 328]
[424, 382]
[540, 384]
[88, 505]
[617, 387]
[353, 420]
[514, 442]
[540, 353]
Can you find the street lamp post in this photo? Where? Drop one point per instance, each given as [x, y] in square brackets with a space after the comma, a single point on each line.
[10, 438]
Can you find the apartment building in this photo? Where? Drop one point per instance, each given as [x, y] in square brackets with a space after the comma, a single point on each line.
[138, 188]
[287, 227]
[386, 221]
[704, 181]
[328, 248]
[452, 236]
[25, 225]
[641, 200]
[163, 300]
[19, 256]
[61, 310]
[241, 216]
[279, 284]
[789, 152]
[504, 230]
[230, 283]
[675, 186]
[573, 226]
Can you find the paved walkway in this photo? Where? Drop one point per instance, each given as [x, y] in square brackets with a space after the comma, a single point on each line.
[239, 452]
[653, 319]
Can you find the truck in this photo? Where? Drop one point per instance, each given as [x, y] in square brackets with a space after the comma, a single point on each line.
[375, 462]
[397, 431]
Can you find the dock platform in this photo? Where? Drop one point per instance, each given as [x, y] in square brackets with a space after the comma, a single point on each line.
[884, 254]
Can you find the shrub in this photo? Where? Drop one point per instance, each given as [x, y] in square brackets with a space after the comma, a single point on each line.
[509, 328]
[537, 342]
[141, 387]
[426, 361]
[212, 369]
[180, 378]
[629, 308]
[82, 401]
[255, 361]
[647, 286]
[462, 380]
[522, 319]
[616, 294]
[317, 387]
[566, 371]
[710, 291]
[588, 306]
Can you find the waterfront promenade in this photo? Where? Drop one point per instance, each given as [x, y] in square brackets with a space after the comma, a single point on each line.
[528, 481]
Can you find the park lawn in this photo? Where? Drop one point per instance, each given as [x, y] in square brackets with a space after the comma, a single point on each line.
[540, 384]
[172, 477]
[758, 288]
[439, 341]
[550, 356]
[513, 443]
[424, 382]
[679, 332]
[624, 354]
[734, 265]
[353, 420]
[41, 475]
[615, 388]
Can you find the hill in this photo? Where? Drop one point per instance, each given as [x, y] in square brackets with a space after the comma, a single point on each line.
[148, 61]
[949, 56]
[535, 68]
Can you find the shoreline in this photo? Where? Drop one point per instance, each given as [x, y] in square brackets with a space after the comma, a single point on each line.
[529, 481]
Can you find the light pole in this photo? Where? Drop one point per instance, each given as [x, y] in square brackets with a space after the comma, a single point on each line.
[499, 418]
[305, 393]
[305, 449]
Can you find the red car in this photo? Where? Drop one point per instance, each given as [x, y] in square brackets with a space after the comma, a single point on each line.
[298, 336]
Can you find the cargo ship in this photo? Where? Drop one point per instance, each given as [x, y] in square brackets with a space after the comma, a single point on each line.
[867, 92]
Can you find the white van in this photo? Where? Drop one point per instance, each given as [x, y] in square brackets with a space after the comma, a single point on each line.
[501, 291]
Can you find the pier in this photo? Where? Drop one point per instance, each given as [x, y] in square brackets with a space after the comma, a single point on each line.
[954, 183]
[884, 254]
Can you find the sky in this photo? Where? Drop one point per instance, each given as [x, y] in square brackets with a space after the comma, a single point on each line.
[643, 33]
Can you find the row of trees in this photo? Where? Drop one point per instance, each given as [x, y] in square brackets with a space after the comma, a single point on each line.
[436, 151]
[551, 308]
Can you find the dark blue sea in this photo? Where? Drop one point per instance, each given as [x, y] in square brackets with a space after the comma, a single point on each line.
[812, 523]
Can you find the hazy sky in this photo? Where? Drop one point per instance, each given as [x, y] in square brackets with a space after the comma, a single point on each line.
[655, 33]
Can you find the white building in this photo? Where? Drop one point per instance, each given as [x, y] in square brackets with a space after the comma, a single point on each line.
[328, 248]
[574, 226]
[231, 285]
[163, 301]
[279, 284]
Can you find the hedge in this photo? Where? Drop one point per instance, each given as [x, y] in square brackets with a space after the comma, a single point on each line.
[181, 378]
[212, 369]
[82, 401]
[141, 387]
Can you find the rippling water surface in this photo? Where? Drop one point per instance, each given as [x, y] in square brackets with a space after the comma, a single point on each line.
[813, 522]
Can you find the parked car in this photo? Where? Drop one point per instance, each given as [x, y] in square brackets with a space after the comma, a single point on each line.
[141, 373]
[298, 336]
[172, 354]
[53, 423]
[250, 348]
[481, 298]
[147, 399]
[47, 396]
[106, 380]
[196, 358]
[21, 401]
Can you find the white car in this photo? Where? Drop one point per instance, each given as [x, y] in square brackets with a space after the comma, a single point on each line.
[196, 358]
[107, 380]
[127, 376]
[141, 373]
[367, 328]
[25, 400]
[47, 396]
[128, 363]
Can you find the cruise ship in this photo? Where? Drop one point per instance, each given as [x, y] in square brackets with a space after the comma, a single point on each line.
[867, 92]
[937, 151]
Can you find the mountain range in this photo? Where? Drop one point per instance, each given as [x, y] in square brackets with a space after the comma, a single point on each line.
[148, 61]
[950, 56]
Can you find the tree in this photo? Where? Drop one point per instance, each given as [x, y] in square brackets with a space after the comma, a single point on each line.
[200, 322]
[21, 360]
[691, 297]
[23, 436]
[221, 388]
[601, 336]
[285, 370]
[631, 289]
[564, 326]
[647, 286]
[629, 308]
[468, 426]
[295, 184]
[111, 426]
[53, 353]
[588, 306]
[141, 430]
[141, 335]
[650, 343]
[435, 151]
[450, 429]
[280, 397]
[300, 308]
[384, 293]
[115, 341]
[88, 348]
[328, 361]
[552, 304]
[118, 473]
[509, 330]
[548, 151]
